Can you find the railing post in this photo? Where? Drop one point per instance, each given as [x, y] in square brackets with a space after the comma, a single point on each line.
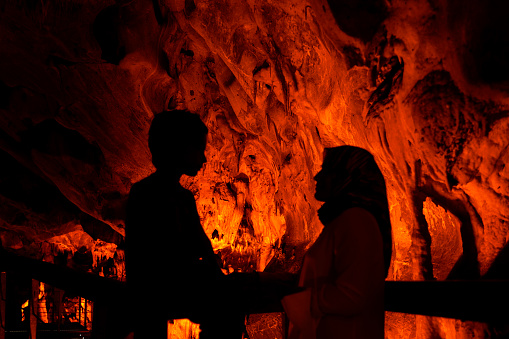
[3, 296]
[57, 302]
[33, 307]
[85, 323]
[92, 314]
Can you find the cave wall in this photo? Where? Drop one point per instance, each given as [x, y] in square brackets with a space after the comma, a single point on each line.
[420, 84]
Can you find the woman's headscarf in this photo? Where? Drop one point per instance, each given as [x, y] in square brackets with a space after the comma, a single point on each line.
[357, 182]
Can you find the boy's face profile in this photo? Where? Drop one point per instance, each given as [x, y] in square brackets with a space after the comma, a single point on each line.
[193, 157]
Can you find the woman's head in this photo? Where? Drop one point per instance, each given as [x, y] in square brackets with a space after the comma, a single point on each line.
[350, 178]
[347, 170]
[177, 141]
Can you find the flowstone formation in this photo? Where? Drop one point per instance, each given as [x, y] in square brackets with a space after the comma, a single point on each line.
[422, 85]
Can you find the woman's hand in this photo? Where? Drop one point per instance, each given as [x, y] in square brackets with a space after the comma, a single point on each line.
[298, 309]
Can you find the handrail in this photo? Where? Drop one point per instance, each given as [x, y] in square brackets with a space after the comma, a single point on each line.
[87, 285]
[475, 300]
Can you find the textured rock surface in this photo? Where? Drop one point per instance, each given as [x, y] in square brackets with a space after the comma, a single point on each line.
[421, 84]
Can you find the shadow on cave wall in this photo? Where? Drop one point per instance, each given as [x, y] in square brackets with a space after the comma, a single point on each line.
[50, 137]
[483, 28]
[38, 197]
[106, 32]
[20, 185]
[359, 18]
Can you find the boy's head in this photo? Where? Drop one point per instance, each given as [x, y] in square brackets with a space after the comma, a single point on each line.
[177, 141]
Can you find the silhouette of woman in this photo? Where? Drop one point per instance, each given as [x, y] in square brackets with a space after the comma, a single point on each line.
[344, 270]
[171, 269]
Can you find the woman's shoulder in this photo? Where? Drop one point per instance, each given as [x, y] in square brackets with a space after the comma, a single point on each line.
[360, 218]
[357, 227]
[356, 213]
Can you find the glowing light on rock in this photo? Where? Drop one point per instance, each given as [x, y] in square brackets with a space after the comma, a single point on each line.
[24, 305]
[42, 311]
[183, 328]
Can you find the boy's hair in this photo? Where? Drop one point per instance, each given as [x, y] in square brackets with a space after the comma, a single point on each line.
[171, 131]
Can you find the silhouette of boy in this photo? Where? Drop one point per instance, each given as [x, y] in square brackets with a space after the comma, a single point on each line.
[171, 268]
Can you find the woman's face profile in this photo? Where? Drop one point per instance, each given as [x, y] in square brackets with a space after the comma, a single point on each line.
[324, 180]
